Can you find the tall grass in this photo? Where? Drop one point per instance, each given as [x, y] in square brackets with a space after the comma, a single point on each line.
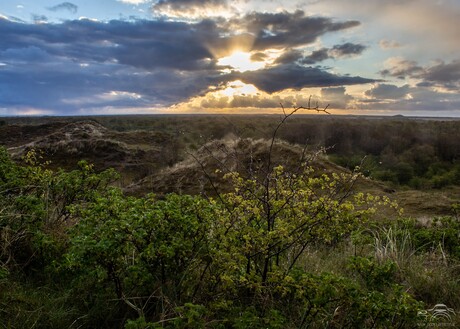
[394, 245]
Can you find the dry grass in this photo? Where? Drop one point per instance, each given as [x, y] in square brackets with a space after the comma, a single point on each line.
[422, 204]
[394, 246]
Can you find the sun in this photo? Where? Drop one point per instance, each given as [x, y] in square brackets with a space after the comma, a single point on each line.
[240, 61]
[238, 88]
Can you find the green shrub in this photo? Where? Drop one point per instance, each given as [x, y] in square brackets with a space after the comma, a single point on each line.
[442, 233]
[376, 276]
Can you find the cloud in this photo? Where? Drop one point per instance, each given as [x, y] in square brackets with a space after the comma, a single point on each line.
[191, 8]
[164, 62]
[387, 91]
[142, 44]
[293, 76]
[435, 22]
[446, 75]
[79, 64]
[11, 19]
[401, 68]
[338, 51]
[65, 6]
[246, 101]
[39, 19]
[336, 97]
[258, 57]
[316, 56]
[25, 55]
[68, 87]
[287, 30]
[442, 73]
[150, 44]
[418, 101]
[289, 56]
[346, 49]
[261, 101]
[170, 45]
[389, 44]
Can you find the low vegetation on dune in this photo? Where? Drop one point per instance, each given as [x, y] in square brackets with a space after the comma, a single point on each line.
[133, 153]
[234, 229]
[208, 163]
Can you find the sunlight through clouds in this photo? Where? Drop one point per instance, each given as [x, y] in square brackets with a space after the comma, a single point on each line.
[240, 61]
[246, 55]
[238, 88]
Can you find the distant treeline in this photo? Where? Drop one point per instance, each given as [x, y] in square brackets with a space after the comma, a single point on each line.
[421, 154]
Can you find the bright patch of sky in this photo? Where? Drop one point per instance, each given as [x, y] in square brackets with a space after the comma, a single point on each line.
[94, 9]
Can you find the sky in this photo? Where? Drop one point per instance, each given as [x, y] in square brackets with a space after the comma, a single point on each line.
[364, 57]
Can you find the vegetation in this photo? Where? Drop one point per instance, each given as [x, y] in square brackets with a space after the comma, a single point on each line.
[286, 243]
[285, 247]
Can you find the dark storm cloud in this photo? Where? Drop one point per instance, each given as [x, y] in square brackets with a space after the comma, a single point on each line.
[338, 51]
[316, 56]
[65, 6]
[294, 76]
[29, 54]
[443, 73]
[68, 87]
[289, 56]
[347, 49]
[281, 30]
[386, 91]
[425, 84]
[163, 62]
[144, 44]
[176, 45]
